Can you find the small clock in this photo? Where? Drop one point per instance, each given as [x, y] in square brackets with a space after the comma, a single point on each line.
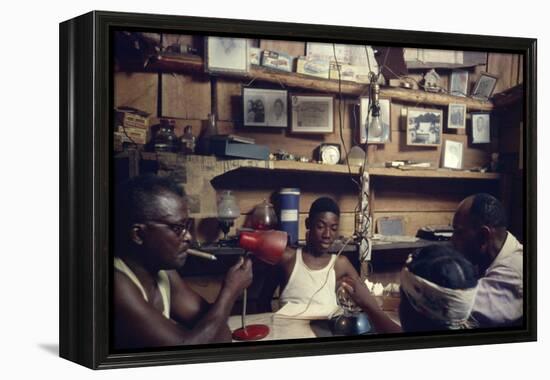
[329, 154]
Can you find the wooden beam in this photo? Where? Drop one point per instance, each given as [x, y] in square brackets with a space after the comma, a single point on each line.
[194, 64]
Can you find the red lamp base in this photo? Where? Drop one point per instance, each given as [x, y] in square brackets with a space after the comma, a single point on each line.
[251, 332]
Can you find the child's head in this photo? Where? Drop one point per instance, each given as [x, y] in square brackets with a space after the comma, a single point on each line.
[437, 290]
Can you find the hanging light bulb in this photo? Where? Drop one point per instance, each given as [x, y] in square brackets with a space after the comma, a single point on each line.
[375, 128]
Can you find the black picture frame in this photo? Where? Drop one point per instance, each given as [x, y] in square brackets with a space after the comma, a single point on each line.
[266, 118]
[86, 186]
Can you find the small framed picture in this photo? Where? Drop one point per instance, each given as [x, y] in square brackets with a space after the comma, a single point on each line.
[457, 116]
[265, 108]
[229, 55]
[452, 155]
[391, 225]
[459, 83]
[481, 128]
[424, 126]
[312, 114]
[483, 89]
[375, 136]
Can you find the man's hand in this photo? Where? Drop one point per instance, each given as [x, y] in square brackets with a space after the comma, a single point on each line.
[360, 293]
[239, 276]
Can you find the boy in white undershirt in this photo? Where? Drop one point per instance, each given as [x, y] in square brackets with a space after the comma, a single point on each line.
[313, 270]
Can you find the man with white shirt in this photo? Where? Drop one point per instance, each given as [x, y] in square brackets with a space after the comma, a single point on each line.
[480, 234]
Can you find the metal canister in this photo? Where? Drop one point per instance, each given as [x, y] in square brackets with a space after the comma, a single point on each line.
[289, 218]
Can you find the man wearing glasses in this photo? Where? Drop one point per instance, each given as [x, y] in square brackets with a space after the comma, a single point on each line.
[152, 304]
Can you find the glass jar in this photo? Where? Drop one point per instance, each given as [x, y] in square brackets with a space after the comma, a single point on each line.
[165, 138]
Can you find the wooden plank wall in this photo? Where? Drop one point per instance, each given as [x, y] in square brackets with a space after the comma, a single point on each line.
[510, 121]
[189, 99]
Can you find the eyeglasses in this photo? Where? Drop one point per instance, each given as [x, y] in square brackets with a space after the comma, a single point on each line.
[178, 228]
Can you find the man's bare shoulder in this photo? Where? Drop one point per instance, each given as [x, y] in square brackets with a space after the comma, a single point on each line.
[287, 261]
[123, 282]
[126, 291]
[343, 267]
[288, 256]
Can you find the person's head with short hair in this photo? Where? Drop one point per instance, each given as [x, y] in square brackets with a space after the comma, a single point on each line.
[481, 123]
[480, 228]
[151, 221]
[278, 108]
[437, 290]
[322, 224]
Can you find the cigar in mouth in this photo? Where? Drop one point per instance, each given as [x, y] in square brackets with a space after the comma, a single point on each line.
[201, 254]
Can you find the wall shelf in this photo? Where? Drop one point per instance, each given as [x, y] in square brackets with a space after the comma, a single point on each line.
[226, 165]
[293, 166]
[192, 64]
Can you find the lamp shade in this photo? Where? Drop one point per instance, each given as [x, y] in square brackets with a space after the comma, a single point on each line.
[228, 209]
[267, 246]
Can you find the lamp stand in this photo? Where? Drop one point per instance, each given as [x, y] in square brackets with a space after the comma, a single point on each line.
[252, 332]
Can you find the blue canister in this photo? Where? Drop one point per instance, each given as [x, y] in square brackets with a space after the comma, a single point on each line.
[290, 206]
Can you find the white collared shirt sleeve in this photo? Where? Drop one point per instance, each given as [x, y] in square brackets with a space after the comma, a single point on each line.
[499, 299]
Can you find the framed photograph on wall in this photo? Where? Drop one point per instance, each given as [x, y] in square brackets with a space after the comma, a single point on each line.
[481, 128]
[452, 154]
[424, 126]
[484, 87]
[142, 226]
[265, 108]
[456, 116]
[381, 136]
[459, 83]
[312, 113]
[227, 54]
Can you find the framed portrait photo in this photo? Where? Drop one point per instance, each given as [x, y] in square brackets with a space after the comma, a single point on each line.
[312, 113]
[459, 83]
[424, 126]
[265, 108]
[456, 116]
[168, 156]
[452, 155]
[484, 87]
[381, 136]
[481, 128]
[227, 54]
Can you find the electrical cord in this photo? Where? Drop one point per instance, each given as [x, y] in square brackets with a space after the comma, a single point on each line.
[326, 279]
[340, 116]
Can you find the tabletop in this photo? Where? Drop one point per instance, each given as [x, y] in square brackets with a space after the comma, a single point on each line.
[288, 328]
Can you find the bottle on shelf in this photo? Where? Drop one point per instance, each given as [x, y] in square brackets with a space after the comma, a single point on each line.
[188, 141]
[165, 138]
[211, 129]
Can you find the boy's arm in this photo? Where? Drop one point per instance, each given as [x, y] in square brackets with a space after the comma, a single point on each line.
[343, 268]
[366, 301]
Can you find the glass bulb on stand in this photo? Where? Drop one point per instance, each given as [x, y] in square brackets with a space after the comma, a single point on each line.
[353, 321]
[228, 211]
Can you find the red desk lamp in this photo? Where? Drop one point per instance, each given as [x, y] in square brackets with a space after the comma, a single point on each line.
[267, 246]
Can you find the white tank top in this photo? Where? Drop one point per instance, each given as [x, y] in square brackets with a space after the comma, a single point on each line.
[304, 282]
[163, 283]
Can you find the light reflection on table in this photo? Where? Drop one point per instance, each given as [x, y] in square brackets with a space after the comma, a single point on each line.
[286, 328]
